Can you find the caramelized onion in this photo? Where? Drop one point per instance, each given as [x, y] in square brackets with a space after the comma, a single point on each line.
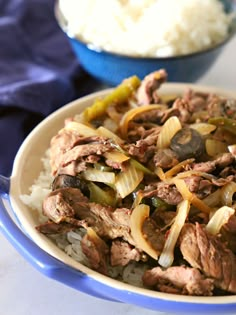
[215, 147]
[126, 182]
[138, 216]
[203, 128]
[187, 195]
[167, 256]
[95, 175]
[168, 130]
[130, 115]
[80, 128]
[219, 218]
[227, 193]
[177, 168]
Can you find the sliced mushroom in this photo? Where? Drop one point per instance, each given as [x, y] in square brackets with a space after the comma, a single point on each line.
[187, 143]
[64, 180]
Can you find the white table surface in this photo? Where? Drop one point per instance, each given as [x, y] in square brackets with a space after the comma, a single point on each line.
[25, 291]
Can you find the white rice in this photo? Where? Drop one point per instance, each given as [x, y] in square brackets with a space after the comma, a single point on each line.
[70, 242]
[147, 27]
[40, 188]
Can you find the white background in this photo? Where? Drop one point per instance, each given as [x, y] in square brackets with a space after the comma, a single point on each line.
[25, 291]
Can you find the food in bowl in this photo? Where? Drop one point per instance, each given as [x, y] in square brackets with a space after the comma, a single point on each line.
[141, 188]
[150, 28]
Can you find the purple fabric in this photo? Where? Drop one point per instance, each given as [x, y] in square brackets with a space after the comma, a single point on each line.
[38, 71]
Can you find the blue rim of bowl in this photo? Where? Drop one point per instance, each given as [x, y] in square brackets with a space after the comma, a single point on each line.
[62, 22]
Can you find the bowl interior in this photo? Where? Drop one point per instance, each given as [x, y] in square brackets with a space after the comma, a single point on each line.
[28, 165]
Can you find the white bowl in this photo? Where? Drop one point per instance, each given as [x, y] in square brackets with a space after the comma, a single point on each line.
[53, 262]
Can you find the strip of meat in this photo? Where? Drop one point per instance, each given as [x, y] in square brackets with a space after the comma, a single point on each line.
[122, 253]
[71, 206]
[179, 279]
[63, 203]
[96, 250]
[165, 158]
[54, 228]
[82, 150]
[210, 255]
[221, 162]
[147, 92]
[61, 143]
[164, 191]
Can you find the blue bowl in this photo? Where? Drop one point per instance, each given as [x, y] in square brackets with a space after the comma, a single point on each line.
[112, 68]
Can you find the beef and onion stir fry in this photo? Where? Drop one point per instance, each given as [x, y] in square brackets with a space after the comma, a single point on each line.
[151, 178]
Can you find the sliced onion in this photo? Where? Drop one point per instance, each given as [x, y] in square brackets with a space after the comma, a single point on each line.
[96, 239]
[138, 216]
[232, 149]
[95, 175]
[187, 195]
[177, 168]
[116, 156]
[81, 129]
[203, 128]
[167, 256]
[140, 166]
[213, 199]
[110, 124]
[196, 173]
[227, 193]
[106, 133]
[127, 181]
[130, 115]
[168, 130]
[215, 147]
[160, 173]
[219, 218]
[138, 196]
[101, 196]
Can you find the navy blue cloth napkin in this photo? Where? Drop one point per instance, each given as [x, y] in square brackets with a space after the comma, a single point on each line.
[38, 71]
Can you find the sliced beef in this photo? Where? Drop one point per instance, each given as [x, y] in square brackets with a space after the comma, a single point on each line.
[71, 206]
[228, 233]
[230, 108]
[152, 116]
[78, 166]
[209, 255]
[200, 186]
[215, 106]
[62, 142]
[220, 162]
[165, 191]
[96, 250]
[197, 101]
[163, 217]
[112, 223]
[143, 149]
[223, 181]
[154, 234]
[82, 150]
[165, 158]
[63, 203]
[184, 112]
[149, 135]
[179, 279]
[122, 253]
[147, 92]
[54, 228]
[68, 147]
